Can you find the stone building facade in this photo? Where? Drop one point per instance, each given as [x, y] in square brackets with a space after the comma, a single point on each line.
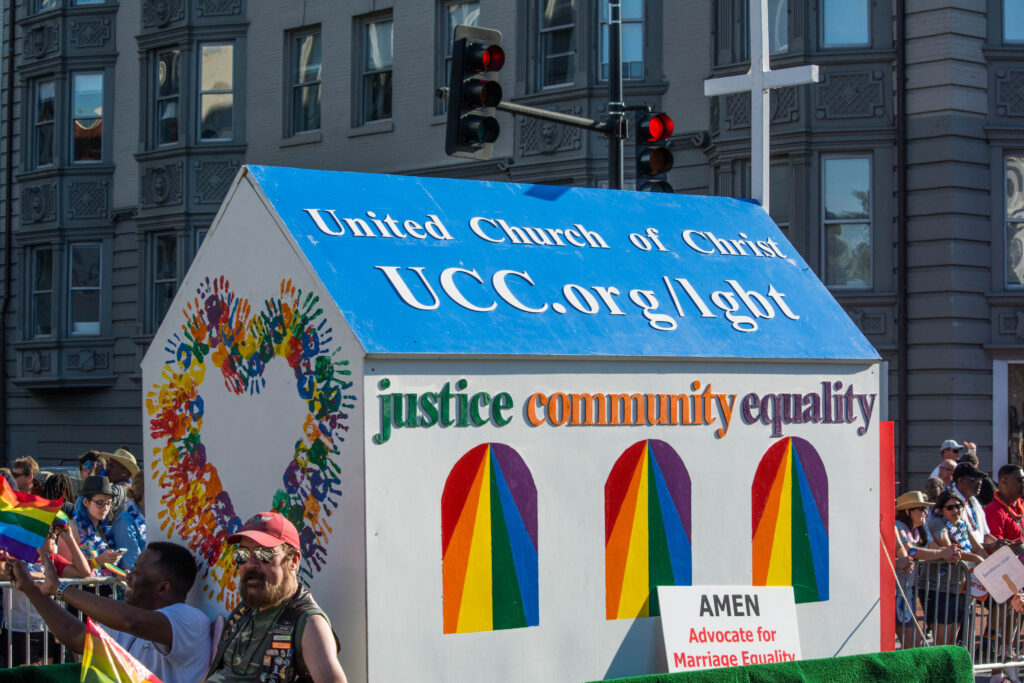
[899, 177]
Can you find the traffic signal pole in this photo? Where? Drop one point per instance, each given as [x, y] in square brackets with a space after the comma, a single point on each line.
[616, 105]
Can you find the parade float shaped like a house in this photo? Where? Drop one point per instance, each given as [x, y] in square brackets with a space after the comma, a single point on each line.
[500, 414]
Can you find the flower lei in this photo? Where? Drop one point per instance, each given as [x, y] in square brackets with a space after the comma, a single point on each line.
[959, 534]
[1016, 511]
[94, 538]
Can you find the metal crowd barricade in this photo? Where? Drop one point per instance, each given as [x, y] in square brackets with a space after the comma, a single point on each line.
[932, 605]
[935, 606]
[25, 616]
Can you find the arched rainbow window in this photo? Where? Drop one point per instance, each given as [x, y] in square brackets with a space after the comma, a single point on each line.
[646, 529]
[489, 542]
[789, 503]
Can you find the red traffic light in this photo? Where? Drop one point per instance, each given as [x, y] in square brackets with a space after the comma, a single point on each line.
[655, 127]
[483, 57]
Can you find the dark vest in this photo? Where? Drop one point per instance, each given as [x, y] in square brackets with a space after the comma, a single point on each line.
[281, 659]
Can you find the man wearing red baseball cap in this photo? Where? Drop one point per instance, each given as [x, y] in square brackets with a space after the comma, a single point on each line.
[278, 632]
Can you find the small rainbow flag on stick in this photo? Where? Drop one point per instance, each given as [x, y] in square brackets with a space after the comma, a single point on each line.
[104, 661]
[24, 521]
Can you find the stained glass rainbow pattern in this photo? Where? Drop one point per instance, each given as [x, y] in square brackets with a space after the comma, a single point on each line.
[489, 542]
[646, 529]
[789, 503]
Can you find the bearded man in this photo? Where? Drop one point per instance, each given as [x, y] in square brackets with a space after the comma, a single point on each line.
[278, 632]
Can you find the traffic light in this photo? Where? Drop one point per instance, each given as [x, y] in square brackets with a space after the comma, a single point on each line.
[653, 158]
[473, 92]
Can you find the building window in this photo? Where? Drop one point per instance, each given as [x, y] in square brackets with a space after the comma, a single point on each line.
[89, 2]
[632, 15]
[779, 193]
[44, 106]
[216, 91]
[44, 5]
[41, 323]
[778, 26]
[305, 77]
[168, 96]
[376, 70]
[845, 23]
[199, 236]
[87, 117]
[846, 183]
[557, 42]
[84, 289]
[164, 266]
[455, 12]
[1013, 21]
[1014, 220]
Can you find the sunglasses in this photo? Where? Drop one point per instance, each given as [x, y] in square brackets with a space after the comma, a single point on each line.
[21, 474]
[953, 507]
[264, 555]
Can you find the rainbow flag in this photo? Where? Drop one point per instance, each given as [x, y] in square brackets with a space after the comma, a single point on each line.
[789, 505]
[104, 661]
[24, 521]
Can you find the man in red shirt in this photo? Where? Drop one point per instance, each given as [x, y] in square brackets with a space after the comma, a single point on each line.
[1005, 514]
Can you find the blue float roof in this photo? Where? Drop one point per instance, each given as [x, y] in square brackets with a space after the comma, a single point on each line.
[440, 266]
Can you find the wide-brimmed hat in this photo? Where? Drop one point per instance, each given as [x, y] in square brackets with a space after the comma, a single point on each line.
[269, 529]
[124, 459]
[911, 500]
[95, 485]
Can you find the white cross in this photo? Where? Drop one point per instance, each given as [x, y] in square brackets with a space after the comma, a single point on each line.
[759, 80]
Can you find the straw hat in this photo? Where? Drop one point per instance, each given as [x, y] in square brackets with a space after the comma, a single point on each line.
[125, 459]
[912, 499]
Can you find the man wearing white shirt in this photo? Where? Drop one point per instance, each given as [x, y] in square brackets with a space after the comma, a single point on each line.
[167, 636]
[966, 484]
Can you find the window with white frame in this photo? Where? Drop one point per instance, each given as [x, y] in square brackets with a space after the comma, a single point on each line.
[164, 281]
[84, 268]
[216, 92]
[845, 23]
[305, 80]
[632, 20]
[557, 41]
[454, 13]
[1014, 220]
[44, 106]
[86, 117]
[1013, 21]
[41, 297]
[375, 69]
[167, 92]
[846, 213]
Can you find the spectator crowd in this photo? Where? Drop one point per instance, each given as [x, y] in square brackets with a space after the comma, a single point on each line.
[137, 591]
[959, 518]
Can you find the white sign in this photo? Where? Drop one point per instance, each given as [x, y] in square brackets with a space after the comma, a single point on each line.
[707, 627]
[1002, 574]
